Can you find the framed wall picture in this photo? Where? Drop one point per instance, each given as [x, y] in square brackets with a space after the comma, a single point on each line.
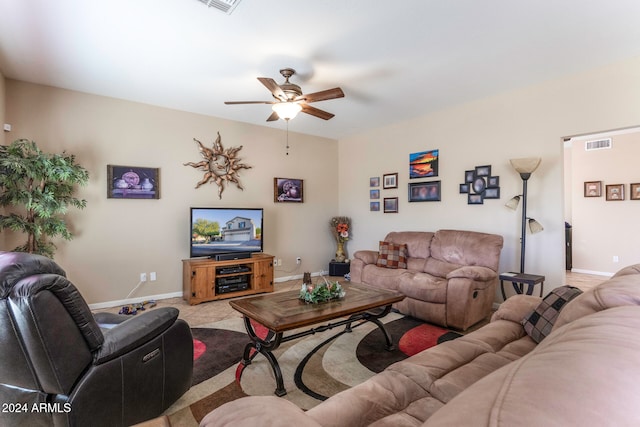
[374, 181]
[424, 191]
[390, 180]
[374, 206]
[423, 164]
[390, 205]
[374, 194]
[492, 193]
[615, 192]
[132, 182]
[288, 190]
[475, 199]
[483, 170]
[593, 188]
[634, 191]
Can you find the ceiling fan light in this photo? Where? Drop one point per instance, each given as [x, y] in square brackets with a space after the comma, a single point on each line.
[287, 110]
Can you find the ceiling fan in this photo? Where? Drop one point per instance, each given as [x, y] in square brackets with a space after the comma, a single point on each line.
[289, 99]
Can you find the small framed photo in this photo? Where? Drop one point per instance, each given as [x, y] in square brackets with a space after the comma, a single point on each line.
[634, 191]
[424, 191]
[469, 176]
[464, 188]
[483, 170]
[374, 181]
[593, 188]
[374, 194]
[390, 180]
[288, 190]
[475, 199]
[132, 182]
[493, 182]
[615, 192]
[492, 193]
[374, 206]
[390, 205]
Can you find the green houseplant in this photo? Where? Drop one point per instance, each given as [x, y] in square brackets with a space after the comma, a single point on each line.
[36, 189]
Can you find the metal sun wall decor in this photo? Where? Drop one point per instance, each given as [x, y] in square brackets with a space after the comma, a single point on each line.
[480, 185]
[219, 164]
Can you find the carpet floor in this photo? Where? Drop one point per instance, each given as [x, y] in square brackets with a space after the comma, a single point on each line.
[314, 367]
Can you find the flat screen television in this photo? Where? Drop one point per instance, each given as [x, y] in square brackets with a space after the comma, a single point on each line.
[226, 233]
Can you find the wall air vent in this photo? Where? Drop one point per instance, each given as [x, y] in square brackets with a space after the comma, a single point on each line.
[226, 6]
[598, 144]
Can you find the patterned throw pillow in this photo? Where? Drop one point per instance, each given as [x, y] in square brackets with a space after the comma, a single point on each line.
[539, 323]
[392, 255]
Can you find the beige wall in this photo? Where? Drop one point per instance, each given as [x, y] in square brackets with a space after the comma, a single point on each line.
[603, 229]
[119, 239]
[2, 108]
[2, 137]
[116, 240]
[523, 123]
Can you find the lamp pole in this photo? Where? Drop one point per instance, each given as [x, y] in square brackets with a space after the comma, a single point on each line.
[523, 236]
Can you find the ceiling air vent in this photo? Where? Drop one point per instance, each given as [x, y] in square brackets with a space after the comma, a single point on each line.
[225, 6]
[598, 144]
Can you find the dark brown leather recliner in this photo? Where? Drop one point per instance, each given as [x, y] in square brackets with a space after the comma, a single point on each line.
[59, 367]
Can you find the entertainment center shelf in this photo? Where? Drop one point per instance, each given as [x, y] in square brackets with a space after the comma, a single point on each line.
[205, 279]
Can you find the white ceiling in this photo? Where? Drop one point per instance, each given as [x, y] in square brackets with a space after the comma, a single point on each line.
[393, 59]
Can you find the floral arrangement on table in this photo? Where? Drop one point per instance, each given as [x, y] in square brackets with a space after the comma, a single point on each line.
[340, 227]
[321, 292]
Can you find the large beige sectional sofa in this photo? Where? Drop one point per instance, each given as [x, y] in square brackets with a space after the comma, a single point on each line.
[450, 277]
[586, 372]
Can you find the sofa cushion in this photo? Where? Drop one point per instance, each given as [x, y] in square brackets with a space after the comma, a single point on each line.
[392, 255]
[418, 242]
[467, 248]
[622, 289]
[539, 322]
[583, 374]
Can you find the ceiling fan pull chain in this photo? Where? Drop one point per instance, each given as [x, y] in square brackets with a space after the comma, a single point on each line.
[287, 136]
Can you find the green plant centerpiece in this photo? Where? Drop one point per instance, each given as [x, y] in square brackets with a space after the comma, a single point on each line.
[37, 188]
[321, 292]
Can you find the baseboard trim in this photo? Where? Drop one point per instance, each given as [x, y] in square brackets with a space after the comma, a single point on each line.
[109, 304]
[299, 276]
[595, 273]
[116, 303]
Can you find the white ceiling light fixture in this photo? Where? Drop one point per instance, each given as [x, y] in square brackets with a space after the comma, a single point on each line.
[226, 6]
[287, 110]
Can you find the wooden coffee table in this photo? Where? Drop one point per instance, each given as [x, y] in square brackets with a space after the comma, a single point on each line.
[283, 311]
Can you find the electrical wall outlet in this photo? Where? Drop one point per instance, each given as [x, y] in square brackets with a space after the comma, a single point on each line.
[616, 259]
[298, 260]
[152, 276]
[143, 277]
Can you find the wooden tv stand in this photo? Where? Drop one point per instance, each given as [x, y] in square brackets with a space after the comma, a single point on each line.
[205, 279]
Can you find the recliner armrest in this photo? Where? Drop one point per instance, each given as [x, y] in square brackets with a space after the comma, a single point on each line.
[134, 332]
[473, 272]
[366, 256]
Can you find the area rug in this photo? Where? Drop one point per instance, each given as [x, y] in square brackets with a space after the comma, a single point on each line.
[313, 368]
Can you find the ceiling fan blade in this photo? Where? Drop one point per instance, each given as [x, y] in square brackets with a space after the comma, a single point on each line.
[316, 112]
[273, 88]
[248, 102]
[323, 95]
[273, 117]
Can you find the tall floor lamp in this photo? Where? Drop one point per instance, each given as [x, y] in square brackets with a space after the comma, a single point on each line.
[525, 168]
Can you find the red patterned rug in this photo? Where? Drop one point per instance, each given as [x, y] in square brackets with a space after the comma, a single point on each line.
[314, 367]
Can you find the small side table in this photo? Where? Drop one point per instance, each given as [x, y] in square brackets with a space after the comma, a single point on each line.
[518, 280]
[339, 268]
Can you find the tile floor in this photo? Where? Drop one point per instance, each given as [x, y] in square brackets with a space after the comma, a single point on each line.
[220, 310]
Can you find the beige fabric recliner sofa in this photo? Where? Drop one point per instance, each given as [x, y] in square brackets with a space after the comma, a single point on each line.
[584, 373]
[450, 279]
